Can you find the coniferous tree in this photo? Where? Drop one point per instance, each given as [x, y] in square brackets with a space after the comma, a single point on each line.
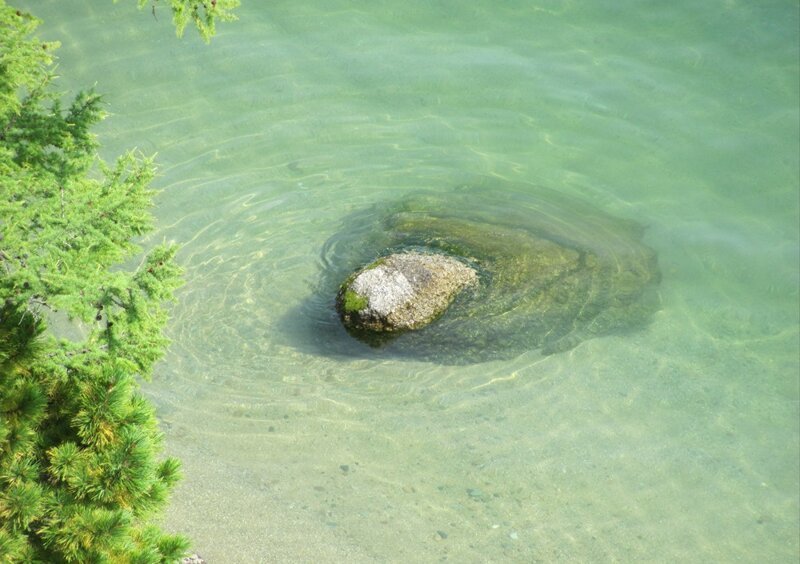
[81, 476]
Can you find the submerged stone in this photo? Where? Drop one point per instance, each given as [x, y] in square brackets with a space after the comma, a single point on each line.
[402, 291]
[552, 272]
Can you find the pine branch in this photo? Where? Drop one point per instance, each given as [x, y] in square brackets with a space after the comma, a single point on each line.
[79, 446]
[202, 13]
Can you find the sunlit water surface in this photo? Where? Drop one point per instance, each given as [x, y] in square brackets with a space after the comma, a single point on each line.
[677, 442]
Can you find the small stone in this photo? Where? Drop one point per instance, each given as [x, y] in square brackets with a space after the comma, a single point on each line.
[476, 494]
[344, 468]
[513, 535]
[440, 535]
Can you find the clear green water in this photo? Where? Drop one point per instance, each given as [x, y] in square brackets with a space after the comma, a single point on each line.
[678, 442]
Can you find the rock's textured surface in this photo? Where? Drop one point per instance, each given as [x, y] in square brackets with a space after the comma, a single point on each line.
[402, 291]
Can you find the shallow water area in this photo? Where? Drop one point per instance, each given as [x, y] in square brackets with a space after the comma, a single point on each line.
[677, 441]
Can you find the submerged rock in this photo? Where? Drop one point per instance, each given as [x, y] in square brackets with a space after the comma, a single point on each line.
[553, 272]
[402, 291]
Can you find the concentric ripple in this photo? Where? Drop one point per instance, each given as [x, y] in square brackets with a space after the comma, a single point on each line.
[553, 272]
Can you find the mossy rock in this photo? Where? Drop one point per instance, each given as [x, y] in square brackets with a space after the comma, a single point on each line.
[401, 292]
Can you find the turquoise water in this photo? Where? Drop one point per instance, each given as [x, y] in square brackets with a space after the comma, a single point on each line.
[676, 442]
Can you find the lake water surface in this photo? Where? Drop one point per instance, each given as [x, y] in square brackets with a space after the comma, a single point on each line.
[677, 442]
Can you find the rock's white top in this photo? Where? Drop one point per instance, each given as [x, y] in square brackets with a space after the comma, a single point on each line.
[385, 289]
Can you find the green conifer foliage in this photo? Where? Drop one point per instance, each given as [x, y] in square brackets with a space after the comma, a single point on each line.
[82, 478]
[203, 13]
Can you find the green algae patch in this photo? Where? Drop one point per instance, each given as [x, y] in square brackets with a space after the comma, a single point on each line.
[353, 302]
